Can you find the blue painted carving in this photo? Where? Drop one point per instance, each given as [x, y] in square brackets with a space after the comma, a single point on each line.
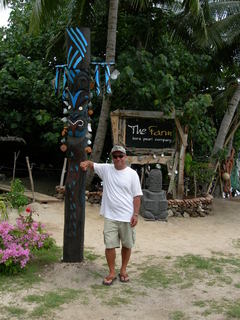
[77, 132]
[97, 80]
[76, 93]
[107, 82]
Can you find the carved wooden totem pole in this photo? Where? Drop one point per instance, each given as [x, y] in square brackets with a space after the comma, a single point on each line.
[76, 97]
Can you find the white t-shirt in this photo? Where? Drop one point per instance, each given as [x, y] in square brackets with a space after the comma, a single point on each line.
[119, 189]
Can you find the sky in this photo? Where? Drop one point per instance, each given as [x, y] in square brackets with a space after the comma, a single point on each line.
[4, 13]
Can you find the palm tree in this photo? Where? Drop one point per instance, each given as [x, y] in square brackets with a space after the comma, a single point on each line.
[208, 24]
[44, 10]
[215, 27]
[106, 103]
[205, 24]
[227, 120]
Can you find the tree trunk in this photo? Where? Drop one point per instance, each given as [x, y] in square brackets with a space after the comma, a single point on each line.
[230, 146]
[180, 191]
[226, 121]
[106, 103]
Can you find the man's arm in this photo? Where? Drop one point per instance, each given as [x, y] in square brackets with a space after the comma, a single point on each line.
[136, 205]
[84, 165]
[136, 209]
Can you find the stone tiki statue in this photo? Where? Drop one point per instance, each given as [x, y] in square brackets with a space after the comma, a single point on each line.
[154, 203]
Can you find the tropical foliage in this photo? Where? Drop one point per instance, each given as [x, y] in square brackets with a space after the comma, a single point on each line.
[28, 105]
[181, 56]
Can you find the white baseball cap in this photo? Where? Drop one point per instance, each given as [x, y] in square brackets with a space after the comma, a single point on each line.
[118, 148]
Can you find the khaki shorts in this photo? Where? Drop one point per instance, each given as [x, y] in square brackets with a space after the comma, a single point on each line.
[114, 231]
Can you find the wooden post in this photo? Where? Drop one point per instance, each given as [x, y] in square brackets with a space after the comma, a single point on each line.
[212, 179]
[220, 179]
[63, 172]
[14, 164]
[180, 191]
[172, 186]
[78, 89]
[30, 177]
[195, 184]
[183, 146]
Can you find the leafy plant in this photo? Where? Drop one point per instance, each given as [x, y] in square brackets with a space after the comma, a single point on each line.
[221, 155]
[28, 104]
[3, 209]
[203, 172]
[188, 163]
[13, 256]
[16, 196]
[197, 170]
[30, 274]
[19, 243]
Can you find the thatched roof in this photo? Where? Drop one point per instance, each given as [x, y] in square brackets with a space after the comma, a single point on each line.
[12, 139]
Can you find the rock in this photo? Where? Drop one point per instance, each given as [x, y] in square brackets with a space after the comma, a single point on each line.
[178, 214]
[170, 213]
[186, 215]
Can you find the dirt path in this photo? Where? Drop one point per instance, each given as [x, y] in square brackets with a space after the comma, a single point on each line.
[159, 288]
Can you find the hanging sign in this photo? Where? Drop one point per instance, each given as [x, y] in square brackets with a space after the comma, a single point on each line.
[150, 133]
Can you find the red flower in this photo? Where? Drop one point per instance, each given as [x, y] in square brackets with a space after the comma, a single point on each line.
[28, 210]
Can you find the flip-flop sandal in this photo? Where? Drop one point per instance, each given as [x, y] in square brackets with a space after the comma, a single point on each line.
[108, 281]
[123, 277]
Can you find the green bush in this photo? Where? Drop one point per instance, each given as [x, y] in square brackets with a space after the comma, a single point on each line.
[16, 196]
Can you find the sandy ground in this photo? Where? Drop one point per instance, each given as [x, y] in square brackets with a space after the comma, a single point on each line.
[177, 237]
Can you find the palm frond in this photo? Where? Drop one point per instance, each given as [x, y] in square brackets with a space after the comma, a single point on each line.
[191, 6]
[206, 11]
[175, 7]
[215, 40]
[4, 3]
[58, 41]
[229, 28]
[192, 28]
[79, 11]
[141, 5]
[216, 26]
[223, 9]
[43, 10]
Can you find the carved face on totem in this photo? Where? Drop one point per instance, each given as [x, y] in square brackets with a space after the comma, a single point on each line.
[78, 105]
[78, 87]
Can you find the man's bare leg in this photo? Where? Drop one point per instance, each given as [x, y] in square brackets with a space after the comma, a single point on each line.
[110, 257]
[126, 253]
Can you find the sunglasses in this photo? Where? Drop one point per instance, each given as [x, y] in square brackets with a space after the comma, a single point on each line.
[118, 156]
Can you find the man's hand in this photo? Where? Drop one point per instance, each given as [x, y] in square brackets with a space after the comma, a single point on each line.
[134, 220]
[84, 165]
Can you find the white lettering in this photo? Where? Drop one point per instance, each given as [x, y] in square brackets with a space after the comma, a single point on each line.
[137, 130]
[137, 138]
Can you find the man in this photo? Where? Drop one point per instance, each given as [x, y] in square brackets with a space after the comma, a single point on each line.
[120, 207]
